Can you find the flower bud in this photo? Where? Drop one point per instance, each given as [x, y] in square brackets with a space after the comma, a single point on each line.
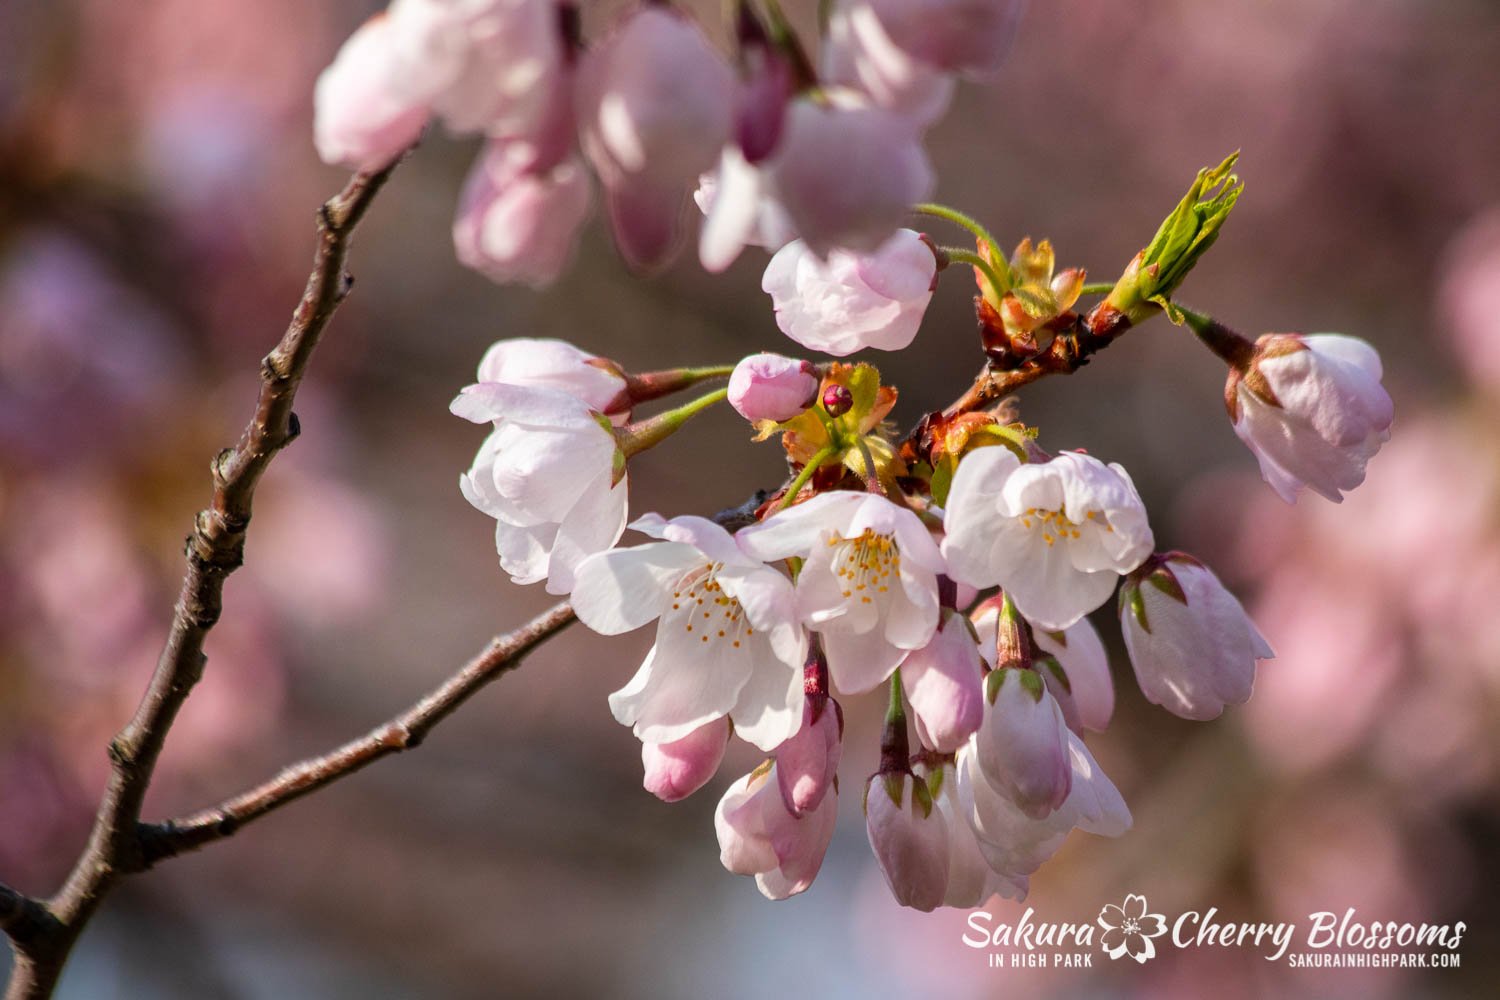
[859, 53]
[772, 387]
[1191, 643]
[1022, 744]
[909, 838]
[971, 36]
[943, 684]
[544, 363]
[807, 763]
[852, 301]
[837, 400]
[1312, 410]
[758, 837]
[675, 770]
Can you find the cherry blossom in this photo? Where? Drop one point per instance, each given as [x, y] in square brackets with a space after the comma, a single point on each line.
[968, 35]
[727, 638]
[517, 224]
[849, 301]
[757, 836]
[860, 53]
[544, 363]
[868, 583]
[363, 118]
[1087, 698]
[909, 838]
[1056, 535]
[942, 681]
[1312, 409]
[1022, 744]
[1191, 643]
[675, 770]
[547, 474]
[807, 763]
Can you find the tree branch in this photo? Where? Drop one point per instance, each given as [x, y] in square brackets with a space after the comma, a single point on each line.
[22, 917]
[214, 550]
[403, 732]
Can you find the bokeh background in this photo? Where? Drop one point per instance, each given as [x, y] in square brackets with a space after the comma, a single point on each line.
[157, 189]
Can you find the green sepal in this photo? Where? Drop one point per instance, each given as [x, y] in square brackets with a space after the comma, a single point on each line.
[1164, 580]
[1055, 668]
[1033, 684]
[1132, 602]
[894, 783]
[921, 796]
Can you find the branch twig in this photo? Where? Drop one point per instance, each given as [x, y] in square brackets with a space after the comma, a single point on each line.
[214, 550]
[403, 732]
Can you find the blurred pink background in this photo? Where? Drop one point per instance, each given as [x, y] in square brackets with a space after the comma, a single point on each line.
[157, 189]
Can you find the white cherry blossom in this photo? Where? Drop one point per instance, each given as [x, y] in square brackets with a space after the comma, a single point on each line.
[909, 837]
[757, 836]
[1192, 644]
[1312, 409]
[727, 638]
[1056, 535]
[868, 582]
[1088, 699]
[550, 473]
[547, 363]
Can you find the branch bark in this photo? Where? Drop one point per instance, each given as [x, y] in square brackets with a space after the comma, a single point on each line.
[403, 732]
[214, 550]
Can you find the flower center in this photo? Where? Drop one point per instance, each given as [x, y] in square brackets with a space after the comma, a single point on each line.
[1055, 525]
[864, 564]
[702, 609]
[1132, 926]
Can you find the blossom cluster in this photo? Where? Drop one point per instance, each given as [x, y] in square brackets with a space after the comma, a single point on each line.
[655, 114]
[955, 565]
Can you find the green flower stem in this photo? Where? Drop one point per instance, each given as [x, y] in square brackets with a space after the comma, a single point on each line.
[1097, 288]
[1012, 644]
[872, 475]
[654, 385]
[958, 218]
[648, 433]
[959, 255]
[895, 750]
[821, 456]
[1236, 350]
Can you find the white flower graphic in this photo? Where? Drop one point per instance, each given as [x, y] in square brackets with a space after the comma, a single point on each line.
[1128, 929]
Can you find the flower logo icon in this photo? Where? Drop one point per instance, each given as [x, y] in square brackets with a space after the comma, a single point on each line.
[1128, 929]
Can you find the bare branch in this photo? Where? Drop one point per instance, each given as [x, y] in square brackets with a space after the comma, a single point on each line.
[22, 917]
[402, 732]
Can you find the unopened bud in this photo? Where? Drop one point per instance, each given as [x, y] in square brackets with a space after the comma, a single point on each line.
[837, 400]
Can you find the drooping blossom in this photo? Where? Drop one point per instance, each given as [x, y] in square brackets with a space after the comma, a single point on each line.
[909, 838]
[942, 681]
[971, 880]
[1312, 409]
[728, 642]
[859, 53]
[971, 36]
[757, 836]
[1192, 644]
[550, 474]
[363, 115]
[868, 582]
[1014, 844]
[675, 770]
[518, 224]
[805, 189]
[655, 108]
[1022, 744]
[849, 301]
[1056, 535]
[807, 763]
[1087, 698]
[772, 387]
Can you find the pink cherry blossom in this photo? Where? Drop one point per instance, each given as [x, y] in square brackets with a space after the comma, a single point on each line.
[968, 35]
[758, 837]
[942, 681]
[1022, 743]
[807, 763]
[772, 387]
[849, 301]
[515, 224]
[364, 116]
[860, 54]
[909, 838]
[542, 363]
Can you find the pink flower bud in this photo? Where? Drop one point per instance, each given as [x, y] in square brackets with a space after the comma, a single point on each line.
[363, 115]
[850, 302]
[1089, 698]
[807, 763]
[516, 225]
[1022, 745]
[771, 387]
[543, 363]
[1191, 643]
[678, 769]
[837, 400]
[860, 54]
[943, 684]
[909, 838]
[1312, 409]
